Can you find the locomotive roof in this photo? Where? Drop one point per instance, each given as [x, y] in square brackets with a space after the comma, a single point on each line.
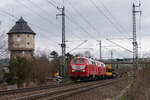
[88, 59]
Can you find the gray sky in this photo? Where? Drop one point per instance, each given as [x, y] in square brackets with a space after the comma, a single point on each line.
[111, 19]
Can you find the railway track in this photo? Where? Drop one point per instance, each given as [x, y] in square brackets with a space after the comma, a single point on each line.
[59, 92]
[31, 89]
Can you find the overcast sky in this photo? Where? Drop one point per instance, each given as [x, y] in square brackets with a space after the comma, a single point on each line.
[90, 20]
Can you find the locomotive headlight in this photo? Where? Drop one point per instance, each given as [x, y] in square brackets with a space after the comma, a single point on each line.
[83, 70]
[73, 70]
[82, 67]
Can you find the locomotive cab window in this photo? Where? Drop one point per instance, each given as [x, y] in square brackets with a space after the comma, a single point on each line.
[75, 61]
[82, 61]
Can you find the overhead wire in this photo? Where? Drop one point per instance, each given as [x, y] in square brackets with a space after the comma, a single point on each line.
[37, 14]
[81, 15]
[115, 20]
[140, 28]
[120, 46]
[33, 11]
[72, 21]
[108, 19]
[82, 28]
[78, 46]
[52, 4]
[4, 54]
[16, 18]
[39, 7]
[112, 23]
[77, 24]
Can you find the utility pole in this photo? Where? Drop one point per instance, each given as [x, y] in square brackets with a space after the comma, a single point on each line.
[111, 55]
[63, 44]
[100, 50]
[135, 44]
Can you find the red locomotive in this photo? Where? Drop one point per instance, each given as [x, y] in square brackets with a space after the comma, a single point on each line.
[86, 69]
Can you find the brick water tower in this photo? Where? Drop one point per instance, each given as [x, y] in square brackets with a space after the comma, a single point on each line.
[21, 39]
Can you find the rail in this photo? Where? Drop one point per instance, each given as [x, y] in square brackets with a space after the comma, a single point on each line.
[22, 90]
[68, 91]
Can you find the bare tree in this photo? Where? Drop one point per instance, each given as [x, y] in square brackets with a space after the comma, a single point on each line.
[41, 69]
[44, 68]
[54, 54]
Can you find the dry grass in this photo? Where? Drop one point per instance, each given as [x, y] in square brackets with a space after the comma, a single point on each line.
[140, 89]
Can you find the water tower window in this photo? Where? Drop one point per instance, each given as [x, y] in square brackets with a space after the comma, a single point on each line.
[27, 35]
[28, 43]
[18, 35]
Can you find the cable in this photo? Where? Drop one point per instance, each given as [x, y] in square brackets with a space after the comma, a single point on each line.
[10, 15]
[77, 46]
[81, 27]
[101, 12]
[44, 18]
[74, 22]
[77, 11]
[51, 3]
[84, 18]
[117, 23]
[140, 16]
[120, 46]
[15, 17]
[4, 54]
[36, 5]
[3, 45]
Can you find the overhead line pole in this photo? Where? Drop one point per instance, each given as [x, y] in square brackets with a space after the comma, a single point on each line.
[111, 57]
[100, 50]
[135, 44]
[63, 44]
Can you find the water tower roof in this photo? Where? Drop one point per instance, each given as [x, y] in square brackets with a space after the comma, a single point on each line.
[21, 27]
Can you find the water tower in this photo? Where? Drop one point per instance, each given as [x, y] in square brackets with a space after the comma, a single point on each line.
[21, 39]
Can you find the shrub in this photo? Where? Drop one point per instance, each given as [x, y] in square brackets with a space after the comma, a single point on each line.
[20, 68]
